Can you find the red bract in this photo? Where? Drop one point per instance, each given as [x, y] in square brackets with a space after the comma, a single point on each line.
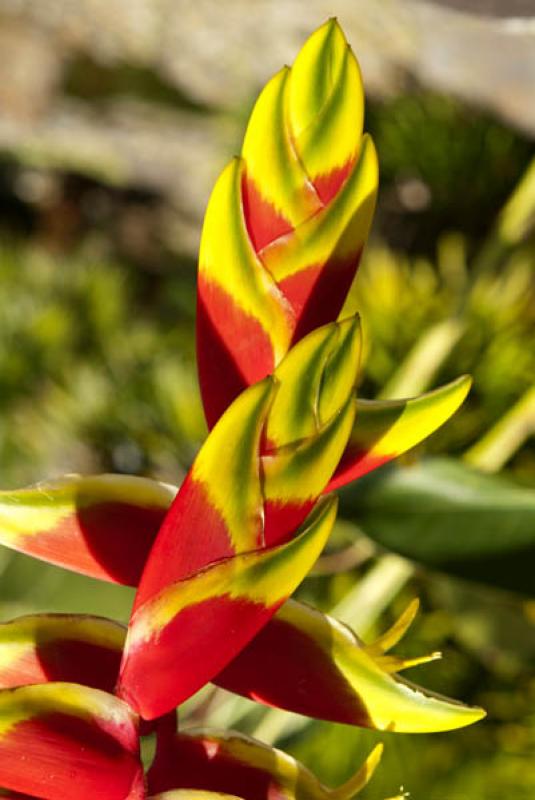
[236, 764]
[64, 740]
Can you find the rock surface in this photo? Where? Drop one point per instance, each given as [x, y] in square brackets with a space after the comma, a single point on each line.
[218, 55]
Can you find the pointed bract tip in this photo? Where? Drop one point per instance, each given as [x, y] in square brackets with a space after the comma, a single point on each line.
[341, 369]
[330, 27]
[352, 323]
[465, 381]
[326, 42]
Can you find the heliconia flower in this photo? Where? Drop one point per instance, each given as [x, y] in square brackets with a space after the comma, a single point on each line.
[61, 740]
[216, 562]
[308, 662]
[281, 242]
[302, 660]
[239, 765]
[286, 222]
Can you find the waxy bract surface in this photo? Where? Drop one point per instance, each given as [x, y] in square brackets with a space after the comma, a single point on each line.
[286, 223]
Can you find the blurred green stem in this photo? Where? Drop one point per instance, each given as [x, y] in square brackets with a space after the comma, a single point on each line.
[515, 222]
[503, 440]
[364, 604]
[417, 371]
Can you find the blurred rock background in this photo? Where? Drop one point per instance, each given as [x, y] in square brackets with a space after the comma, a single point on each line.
[115, 118]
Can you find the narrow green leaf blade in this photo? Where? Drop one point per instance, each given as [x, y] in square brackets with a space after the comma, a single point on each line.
[449, 516]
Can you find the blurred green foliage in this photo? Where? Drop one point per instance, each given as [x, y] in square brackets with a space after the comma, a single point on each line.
[491, 334]
[444, 167]
[97, 374]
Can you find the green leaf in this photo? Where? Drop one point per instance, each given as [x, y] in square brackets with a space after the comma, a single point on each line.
[448, 516]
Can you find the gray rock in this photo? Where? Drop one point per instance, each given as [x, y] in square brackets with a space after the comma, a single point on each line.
[220, 54]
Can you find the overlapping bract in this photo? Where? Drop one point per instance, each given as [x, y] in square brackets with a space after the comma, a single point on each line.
[236, 543]
[216, 562]
[286, 223]
[302, 661]
[87, 524]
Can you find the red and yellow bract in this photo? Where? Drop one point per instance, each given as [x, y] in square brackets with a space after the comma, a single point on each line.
[286, 222]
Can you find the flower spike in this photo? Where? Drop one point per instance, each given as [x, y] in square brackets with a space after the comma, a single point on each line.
[286, 223]
[216, 562]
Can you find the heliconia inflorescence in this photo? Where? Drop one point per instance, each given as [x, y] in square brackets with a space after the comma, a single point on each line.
[216, 560]
[287, 221]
